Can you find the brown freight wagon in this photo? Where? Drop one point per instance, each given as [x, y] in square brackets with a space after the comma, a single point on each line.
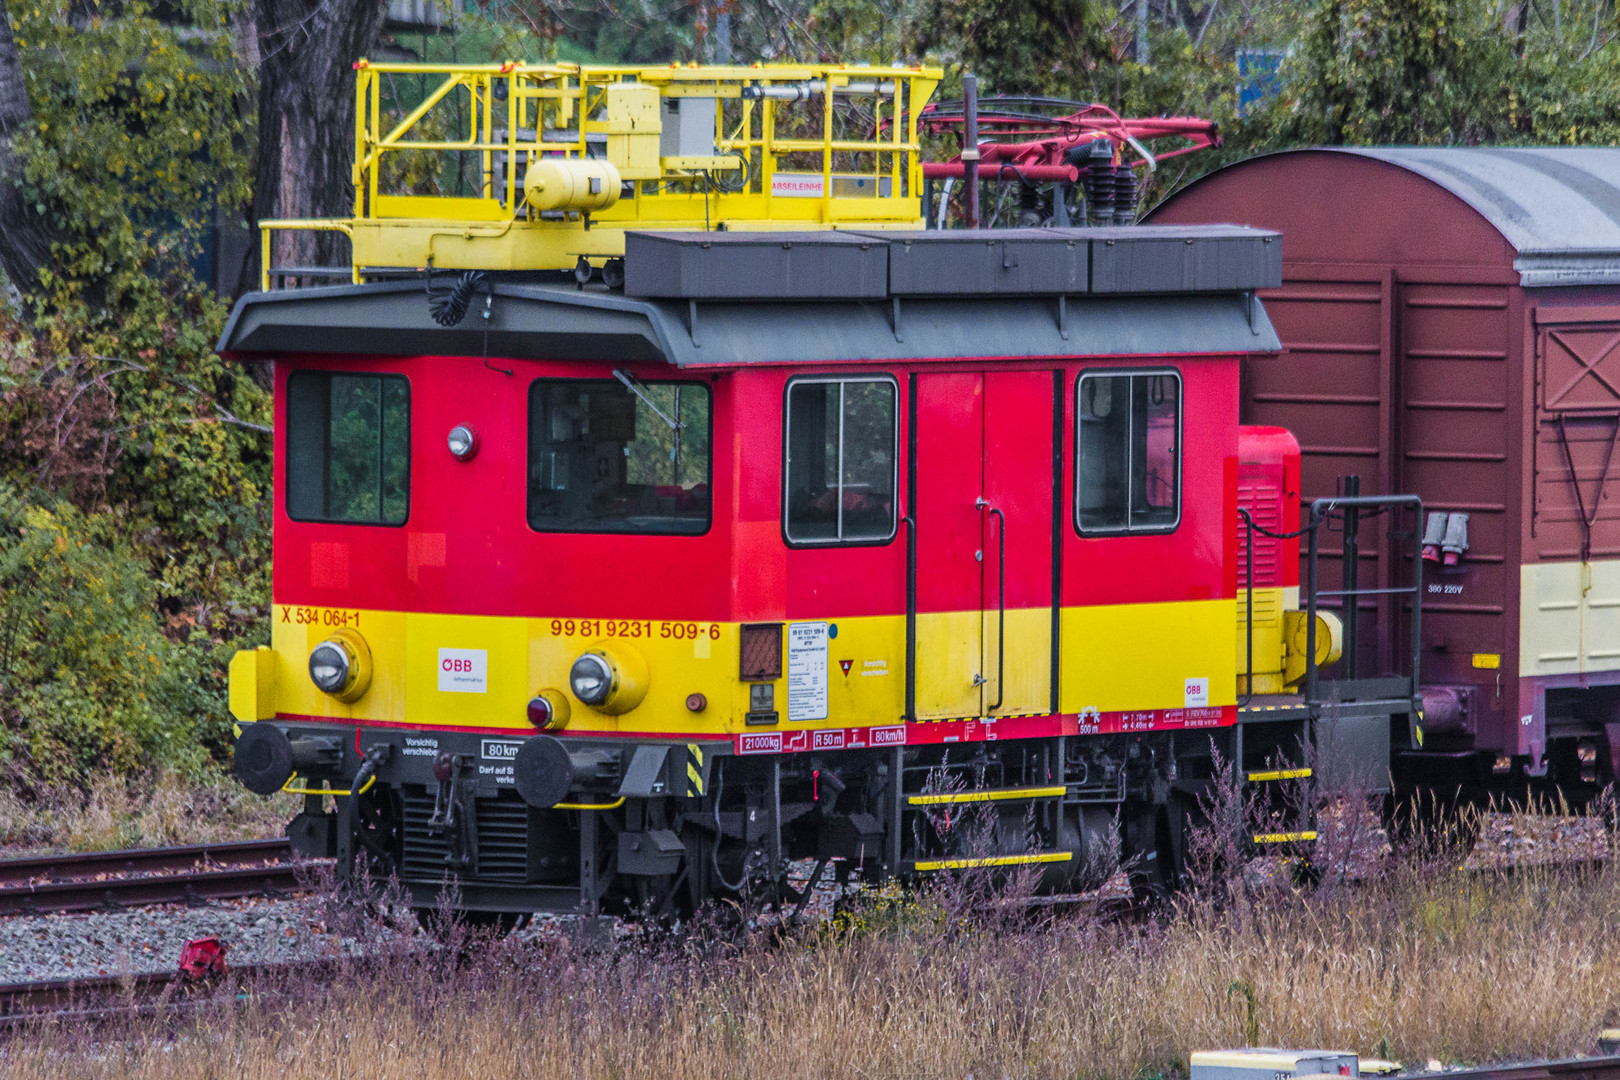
[1451, 325]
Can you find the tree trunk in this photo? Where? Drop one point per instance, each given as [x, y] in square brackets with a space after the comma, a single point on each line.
[307, 50]
[25, 235]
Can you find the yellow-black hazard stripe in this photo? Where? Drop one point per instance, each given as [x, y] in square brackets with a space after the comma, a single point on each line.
[695, 771]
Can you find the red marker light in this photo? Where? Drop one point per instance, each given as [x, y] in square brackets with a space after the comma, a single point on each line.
[696, 702]
[540, 712]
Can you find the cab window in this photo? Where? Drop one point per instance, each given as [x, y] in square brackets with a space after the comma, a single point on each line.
[841, 447]
[1128, 477]
[619, 456]
[348, 447]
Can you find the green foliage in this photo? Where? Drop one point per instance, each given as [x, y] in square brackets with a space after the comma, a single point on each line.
[1050, 47]
[138, 132]
[136, 460]
[88, 680]
[1396, 71]
[1566, 88]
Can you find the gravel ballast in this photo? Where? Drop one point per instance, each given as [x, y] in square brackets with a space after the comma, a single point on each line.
[145, 940]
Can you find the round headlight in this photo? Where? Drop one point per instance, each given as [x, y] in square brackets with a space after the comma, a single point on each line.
[341, 665]
[591, 678]
[330, 666]
[463, 441]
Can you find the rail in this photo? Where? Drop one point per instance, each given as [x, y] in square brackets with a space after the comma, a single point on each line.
[440, 173]
[188, 874]
[93, 999]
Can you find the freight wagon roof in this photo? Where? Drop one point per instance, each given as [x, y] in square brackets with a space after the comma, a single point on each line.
[726, 300]
[1559, 207]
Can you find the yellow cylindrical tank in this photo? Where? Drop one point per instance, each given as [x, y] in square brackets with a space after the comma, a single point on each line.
[554, 183]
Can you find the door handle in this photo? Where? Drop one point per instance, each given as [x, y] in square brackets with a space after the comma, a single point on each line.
[1001, 601]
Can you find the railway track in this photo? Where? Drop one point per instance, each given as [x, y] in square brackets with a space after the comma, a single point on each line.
[112, 879]
[123, 997]
[1592, 1068]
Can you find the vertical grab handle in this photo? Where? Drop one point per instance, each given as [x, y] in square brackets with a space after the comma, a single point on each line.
[1001, 602]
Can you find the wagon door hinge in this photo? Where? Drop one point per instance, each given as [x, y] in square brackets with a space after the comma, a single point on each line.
[1588, 518]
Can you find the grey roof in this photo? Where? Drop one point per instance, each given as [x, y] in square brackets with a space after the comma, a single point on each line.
[546, 322]
[707, 299]
[1558, 206]
[983, 263]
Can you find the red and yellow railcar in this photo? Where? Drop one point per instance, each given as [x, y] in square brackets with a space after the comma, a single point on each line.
[789, 547]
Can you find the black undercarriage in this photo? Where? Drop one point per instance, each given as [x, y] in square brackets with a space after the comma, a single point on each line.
[665, 826]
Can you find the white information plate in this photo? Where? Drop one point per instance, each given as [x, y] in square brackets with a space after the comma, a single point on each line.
[464, 671]
[807, 671]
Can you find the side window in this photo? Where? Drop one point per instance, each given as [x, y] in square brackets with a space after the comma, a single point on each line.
[613, 457]
[348, 447]
[841, 438]
[1128, 478]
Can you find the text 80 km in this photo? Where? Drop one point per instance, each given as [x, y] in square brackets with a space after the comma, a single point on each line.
[634, 628]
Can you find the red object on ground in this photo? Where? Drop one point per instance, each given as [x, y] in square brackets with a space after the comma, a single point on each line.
[203, 957]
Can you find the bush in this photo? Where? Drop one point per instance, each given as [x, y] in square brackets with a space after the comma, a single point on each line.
[88, 680]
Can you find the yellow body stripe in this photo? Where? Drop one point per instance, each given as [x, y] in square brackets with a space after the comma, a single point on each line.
[996, 860]
[1116, 658]
[1121, 657]
[1284, 837]
[987, 796]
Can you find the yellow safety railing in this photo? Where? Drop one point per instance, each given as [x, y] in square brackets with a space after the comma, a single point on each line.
[268, 228]
[451, 181]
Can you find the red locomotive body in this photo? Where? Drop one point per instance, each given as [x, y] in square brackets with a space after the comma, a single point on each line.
[624, 596]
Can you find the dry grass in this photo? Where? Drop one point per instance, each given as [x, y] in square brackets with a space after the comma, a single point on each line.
[1422, 962]
[150, 811]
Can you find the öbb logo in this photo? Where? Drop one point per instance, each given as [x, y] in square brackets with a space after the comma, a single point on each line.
[463, 671]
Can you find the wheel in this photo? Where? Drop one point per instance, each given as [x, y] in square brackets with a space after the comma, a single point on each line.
[1148, 859]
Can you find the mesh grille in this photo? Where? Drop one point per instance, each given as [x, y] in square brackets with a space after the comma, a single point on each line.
[1260, 492]
[424, 853]
[761, 651]
[503, 840]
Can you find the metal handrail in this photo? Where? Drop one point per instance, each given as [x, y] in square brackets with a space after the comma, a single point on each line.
[1321, 511]
[313, 224]
[1001, 605]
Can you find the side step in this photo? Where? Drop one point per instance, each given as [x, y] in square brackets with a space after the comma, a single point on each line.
[1279, 774]
[993, 860]
[1280, 835]
[989, 795]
